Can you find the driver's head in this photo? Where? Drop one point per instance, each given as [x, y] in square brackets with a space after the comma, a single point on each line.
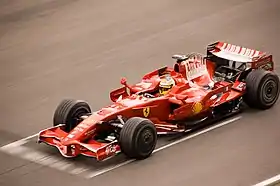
[166, 83]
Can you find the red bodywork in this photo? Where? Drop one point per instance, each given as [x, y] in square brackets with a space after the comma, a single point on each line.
[187, 99]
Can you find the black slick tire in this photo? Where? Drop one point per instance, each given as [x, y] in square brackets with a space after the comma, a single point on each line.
[69, 111]
[262, 89]
[138, 138]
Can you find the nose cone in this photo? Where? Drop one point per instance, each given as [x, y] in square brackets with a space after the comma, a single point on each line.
[75, 135]
[66, 141]
[82, 131]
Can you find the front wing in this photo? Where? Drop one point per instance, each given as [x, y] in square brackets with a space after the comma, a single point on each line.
[101, 151]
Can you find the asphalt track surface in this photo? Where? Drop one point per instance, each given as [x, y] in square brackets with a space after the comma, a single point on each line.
[50, 50]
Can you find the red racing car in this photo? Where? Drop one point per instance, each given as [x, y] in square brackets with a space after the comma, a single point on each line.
[168, 100]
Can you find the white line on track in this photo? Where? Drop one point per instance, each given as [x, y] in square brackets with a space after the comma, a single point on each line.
[94, 174]
[27, 153]
[17, 148]
[18, 142]
[270, 181]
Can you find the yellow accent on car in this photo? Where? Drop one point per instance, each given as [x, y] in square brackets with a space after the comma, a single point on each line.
[146, 111]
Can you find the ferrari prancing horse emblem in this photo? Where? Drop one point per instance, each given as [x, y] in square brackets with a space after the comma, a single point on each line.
[146, 111]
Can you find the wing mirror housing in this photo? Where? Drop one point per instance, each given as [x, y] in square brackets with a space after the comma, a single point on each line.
[124, 81]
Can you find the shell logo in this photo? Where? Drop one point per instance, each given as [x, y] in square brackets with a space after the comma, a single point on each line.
[197, 107]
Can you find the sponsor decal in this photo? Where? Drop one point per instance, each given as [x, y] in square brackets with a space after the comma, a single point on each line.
[110, 149]
[197, 107]
[90, 132]
[146, 111]
[241, 85]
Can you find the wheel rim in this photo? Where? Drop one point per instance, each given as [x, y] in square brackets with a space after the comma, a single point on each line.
[146, 140]
[270, 90]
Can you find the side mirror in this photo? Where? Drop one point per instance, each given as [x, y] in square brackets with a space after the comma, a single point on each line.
[123, 81]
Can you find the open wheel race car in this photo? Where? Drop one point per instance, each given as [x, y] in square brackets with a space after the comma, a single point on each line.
[167, 100]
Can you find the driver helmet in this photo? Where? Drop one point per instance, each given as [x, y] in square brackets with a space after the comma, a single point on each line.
[166, 83]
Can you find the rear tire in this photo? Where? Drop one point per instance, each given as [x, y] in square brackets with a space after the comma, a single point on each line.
[138, 138]
[262, 89]
[69, 111]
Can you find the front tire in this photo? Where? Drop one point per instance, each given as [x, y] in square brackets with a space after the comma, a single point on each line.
[262, 89]
[138, 138]
[69, 111]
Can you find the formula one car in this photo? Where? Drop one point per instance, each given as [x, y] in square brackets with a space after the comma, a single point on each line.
[167, 100]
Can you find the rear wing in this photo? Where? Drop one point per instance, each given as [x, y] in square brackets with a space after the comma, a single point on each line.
[234, 53]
